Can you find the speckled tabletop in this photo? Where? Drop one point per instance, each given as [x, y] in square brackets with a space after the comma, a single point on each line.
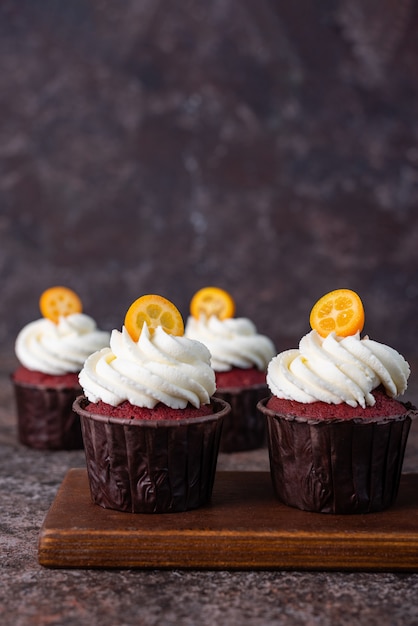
[36, 596]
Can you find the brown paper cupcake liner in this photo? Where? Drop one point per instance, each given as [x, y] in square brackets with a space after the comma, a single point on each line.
[45, 418]
[244, 428]
[336, 466]
[144, 466]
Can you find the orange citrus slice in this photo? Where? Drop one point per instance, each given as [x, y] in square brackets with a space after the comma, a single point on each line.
[155, 311]
[212, 301]
[59, 301]
[340, 311]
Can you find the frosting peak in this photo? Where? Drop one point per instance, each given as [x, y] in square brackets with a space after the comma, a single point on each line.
[161, 367]
[232, 342]
[337, 369]
[60, 348]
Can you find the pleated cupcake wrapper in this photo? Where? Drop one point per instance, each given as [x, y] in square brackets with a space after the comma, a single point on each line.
[244, 428]
[336, 466]
[142, 466]
[45, 417]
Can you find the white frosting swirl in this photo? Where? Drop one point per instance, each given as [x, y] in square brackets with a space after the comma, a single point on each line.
[337, 369]
[157, 368]
[61, 348]
[232, 342]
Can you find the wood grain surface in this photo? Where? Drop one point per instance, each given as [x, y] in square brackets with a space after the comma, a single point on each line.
[244, 527]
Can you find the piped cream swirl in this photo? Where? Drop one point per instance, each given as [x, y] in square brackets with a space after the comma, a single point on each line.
[157, 368]
[232, 342]
[337, 369]
[61, 348]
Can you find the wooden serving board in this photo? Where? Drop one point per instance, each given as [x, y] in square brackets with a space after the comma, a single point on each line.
[244, 527]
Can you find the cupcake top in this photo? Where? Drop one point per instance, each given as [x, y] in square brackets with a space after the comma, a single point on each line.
[232, 342]
[333, 363]
[62, 339]
[150, 361]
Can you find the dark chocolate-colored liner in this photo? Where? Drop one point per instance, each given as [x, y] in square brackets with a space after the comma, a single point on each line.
[244, 428]
[336, 466]
[45, 417]
[151, 466]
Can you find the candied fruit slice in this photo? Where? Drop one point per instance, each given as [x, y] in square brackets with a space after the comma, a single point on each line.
[155, 311]
[212, 301]
[340, 311]
[56, 302]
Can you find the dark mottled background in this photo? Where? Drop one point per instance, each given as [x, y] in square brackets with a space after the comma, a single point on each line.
[266, 147]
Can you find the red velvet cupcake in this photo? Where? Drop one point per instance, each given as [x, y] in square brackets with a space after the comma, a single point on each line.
[151, 427]
[336, 432]
[52, 351]
[239, 356]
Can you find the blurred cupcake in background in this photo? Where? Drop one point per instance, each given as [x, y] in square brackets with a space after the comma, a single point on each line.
[239, 356]
[51, 352]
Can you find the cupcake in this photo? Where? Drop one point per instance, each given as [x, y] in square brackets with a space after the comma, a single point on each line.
[51, 352]
[150, 425]
[336, 429]
[239, 356]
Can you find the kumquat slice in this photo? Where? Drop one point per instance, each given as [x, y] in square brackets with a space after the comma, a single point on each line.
[212, 301]
[155, 311]
[340, 311]
[56, 302]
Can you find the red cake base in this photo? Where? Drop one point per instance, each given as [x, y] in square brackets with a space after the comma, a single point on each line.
[237, 377]
[29, 377]
[384, 407]
[126, 410]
